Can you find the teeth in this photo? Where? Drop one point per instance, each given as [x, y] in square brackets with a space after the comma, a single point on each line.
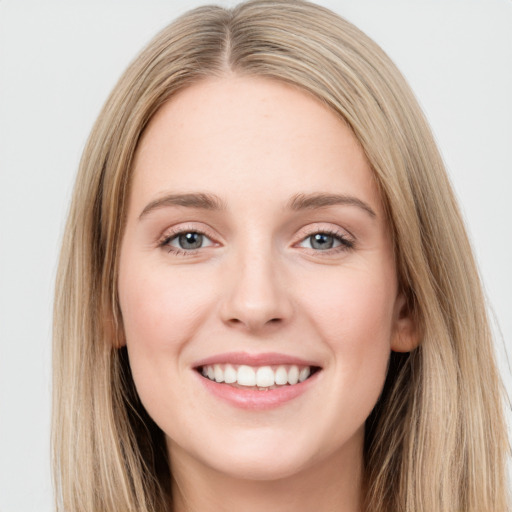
[262, 377]
[281, 376]
[304, 374]
[246, 376]
[218, 373]
[293, 375]
[265, 377]
[229, 374]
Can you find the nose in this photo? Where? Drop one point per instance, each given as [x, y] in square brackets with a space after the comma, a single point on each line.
[256, 296]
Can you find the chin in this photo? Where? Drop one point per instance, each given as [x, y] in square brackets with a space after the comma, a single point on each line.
[266, 455]
[256, 467]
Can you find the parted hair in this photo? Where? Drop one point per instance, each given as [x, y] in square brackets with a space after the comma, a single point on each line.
[436, 440]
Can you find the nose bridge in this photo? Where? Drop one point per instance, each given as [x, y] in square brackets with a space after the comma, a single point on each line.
[255, 291]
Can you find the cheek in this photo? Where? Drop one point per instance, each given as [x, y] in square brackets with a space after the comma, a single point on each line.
[354, 316]
[353, 310]
[159, 307]
[162, 309]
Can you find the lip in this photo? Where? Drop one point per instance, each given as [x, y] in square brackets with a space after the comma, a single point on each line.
[262, 359]
[250, 398]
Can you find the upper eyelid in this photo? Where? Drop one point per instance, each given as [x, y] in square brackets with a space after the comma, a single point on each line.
[321, 227]
[301, 234]
[346, 242]
[173, 231]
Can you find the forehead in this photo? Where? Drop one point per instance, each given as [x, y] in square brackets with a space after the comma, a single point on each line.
[246, 136]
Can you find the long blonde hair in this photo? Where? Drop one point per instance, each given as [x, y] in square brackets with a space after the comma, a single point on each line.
[436, 441]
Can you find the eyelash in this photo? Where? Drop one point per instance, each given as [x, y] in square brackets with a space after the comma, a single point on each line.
[346, 244]
[169, 237]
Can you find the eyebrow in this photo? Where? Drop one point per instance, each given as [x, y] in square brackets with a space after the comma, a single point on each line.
[194, 200]
[298, 202]
[320, 200]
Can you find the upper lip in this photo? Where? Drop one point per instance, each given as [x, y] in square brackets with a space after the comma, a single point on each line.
[262, 359]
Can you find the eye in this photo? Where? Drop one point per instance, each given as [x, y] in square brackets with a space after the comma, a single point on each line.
[186, 241]
[323, 241]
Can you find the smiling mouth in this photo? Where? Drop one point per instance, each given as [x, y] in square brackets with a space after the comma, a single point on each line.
[263, 378]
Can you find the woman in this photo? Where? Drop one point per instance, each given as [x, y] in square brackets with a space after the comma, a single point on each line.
[266, 296]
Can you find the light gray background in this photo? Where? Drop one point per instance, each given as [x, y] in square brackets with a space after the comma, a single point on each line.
[58, 62]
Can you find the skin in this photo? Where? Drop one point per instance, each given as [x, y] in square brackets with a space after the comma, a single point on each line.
[258, 285]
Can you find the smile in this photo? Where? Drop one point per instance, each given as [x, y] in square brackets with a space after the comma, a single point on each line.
[261, 377]
[256, 381]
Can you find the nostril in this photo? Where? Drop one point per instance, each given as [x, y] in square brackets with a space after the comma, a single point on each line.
[255, 324]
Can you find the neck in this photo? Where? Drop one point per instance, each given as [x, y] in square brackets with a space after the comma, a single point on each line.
[333, 484]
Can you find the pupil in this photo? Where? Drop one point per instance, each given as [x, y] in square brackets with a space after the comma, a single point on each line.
[190, 240]
[322, 241]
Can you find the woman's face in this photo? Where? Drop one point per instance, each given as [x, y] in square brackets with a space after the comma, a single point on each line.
[256, 251]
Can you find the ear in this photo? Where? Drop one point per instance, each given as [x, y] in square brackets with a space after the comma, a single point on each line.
[405, 337]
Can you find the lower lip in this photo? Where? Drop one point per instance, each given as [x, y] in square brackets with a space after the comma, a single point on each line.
[254, 399]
